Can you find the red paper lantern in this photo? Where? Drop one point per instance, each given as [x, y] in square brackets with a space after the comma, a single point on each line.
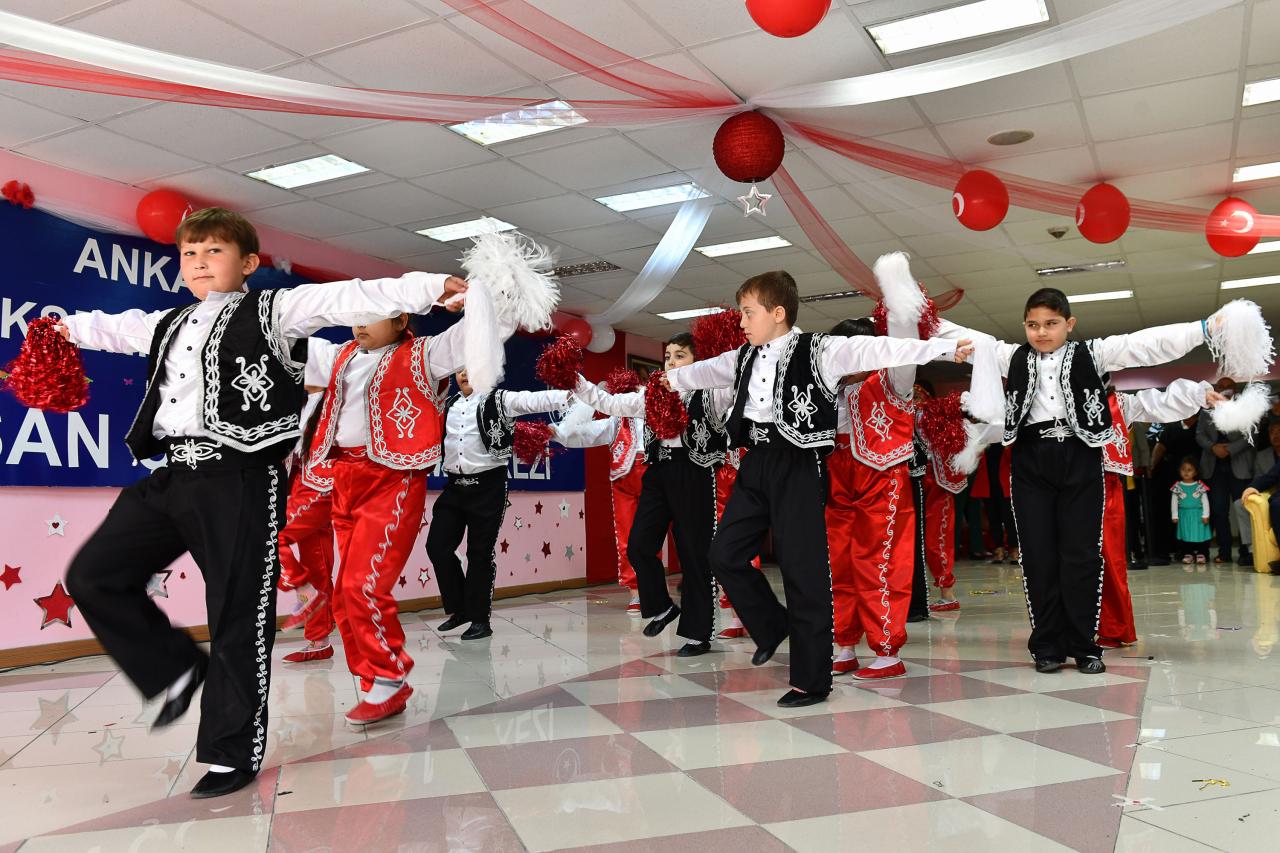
[160, 212]
[576, 328]
[1232, 227]
[748, 147]
[980, 201]
[1102, 214]
[787, 18]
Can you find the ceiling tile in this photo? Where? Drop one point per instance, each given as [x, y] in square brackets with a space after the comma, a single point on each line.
[109, 155]
[24, 122]
[1264, 33]
[596, 163]
[549, 215]
[1032, 88]
[310, 26]
[313, 219]
[1170, 106]
[601, 239]
[384, 243]
[1054, 126]
[395, 203]
[489, 184]
[1162, 152]
[204, 133]
[227, 189]
[407, 149]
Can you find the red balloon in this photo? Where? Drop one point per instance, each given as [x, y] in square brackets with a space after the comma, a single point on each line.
[748, 147]
[787, 18]
[1102, 214]
[1232, 227]
[576, 328]
[980, 201]
[160, 212]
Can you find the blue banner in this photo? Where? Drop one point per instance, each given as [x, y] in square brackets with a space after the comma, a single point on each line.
[58, 267]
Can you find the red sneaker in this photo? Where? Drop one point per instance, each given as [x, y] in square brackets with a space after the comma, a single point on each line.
[304, 655]
[633, 607]
[732, 633]
[898, 670]
[840, 667]
[943, 606]
[300, 616]
[367, 712]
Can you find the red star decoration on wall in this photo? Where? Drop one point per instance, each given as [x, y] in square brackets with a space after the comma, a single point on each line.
[537, 508]
[56, 607]
[504, 545]
[582, 514]
[546, 549]
[402, 581]
[10, 576]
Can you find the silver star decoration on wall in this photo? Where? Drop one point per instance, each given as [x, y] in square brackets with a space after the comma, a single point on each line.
[754, 202]
[564, 508]
[57, 526]
[158, 587]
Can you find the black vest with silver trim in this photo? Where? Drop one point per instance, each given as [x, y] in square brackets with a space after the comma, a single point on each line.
[804, 406]
[704, 438]
[497, 429]
[1084, 396]
[251, 377]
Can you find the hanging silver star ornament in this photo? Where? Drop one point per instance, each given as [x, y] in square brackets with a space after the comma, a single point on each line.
[754, 202]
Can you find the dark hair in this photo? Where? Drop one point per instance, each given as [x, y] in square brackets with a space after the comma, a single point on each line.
[1049, 297]
[854, 327]
[684, 340]
[773, 289]
[218, 223]
[927, 386]
[407, 331]
[1190, 460]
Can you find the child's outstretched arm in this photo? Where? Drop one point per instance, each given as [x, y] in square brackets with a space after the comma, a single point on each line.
[308, 308]
[1182, 399]
[129, 332]
[843, 356]
[709, 373]
[629, 405]
[516, 403]
[1147, 347]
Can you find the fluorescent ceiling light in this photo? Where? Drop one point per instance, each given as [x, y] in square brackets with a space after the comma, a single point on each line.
[304, 172]
[956, 23]
[651, 198]
[517, 124]
[1261, 92]
[1100, 297]
[685, 315]
[1091, 266]
[1259, 172]
[463, 230]
[1236, 283]
[1263, 248]
[759, 244]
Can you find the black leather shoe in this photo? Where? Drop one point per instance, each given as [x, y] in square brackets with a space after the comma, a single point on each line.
[764, 653]
[451, 623]
[917, 617]
[1091, 666]
[692, 650]
[175, 706]
[657, 626]
[1246, 559]
[1138, 566]
[477, 631]
[219, 784]
[1048, 664]
[800, 699]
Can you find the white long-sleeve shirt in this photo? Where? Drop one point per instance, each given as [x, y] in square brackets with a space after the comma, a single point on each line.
[631, 404]
[583, 430]
[1177, 498]
[1182, 399]
[464, 451]
[300, 311]
[840, 357]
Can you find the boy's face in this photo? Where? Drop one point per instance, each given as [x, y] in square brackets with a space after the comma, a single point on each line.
[464, 385]
[380, 334]
[214, 266]
[676, 356]
[761, 324]
[1047, 329]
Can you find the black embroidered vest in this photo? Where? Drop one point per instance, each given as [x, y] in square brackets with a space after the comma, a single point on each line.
[251, 377]
[704, 438]
[1083, 394]
[497, 430]
[804, 406]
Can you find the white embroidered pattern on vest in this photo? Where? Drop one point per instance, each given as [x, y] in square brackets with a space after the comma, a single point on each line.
[879, 420]
[758, 434]
[495, 433]
[1093, 406]
[253, 383]
[192, 452]
[802, 406]
[403, 413]
[700, 435]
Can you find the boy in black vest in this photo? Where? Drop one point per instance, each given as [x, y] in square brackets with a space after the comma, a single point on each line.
[784, 412]
[222, 403]
[479, 429]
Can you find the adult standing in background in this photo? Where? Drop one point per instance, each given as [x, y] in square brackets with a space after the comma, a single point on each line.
[1226, 464]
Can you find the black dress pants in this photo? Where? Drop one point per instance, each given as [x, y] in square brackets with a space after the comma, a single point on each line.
[228, 518]
[474, 505]
[919, 607]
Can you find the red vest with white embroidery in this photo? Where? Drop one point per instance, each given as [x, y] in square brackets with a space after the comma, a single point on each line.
[625, 448]
[881, 423]
[317, 475]
[405, 409]
[1117, 455]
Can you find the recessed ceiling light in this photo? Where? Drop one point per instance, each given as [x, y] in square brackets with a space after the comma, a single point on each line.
[1010, 137]
[1263, 248]
[827, 297]
[312, 171]
[1105, 296]
[1237, 283]
[463, 230]
[1257, 172]
[692, 312]
[956, 23]
[1261, 92]
[1094, 266]
[651, 198]
[517, 124]
[738, 247]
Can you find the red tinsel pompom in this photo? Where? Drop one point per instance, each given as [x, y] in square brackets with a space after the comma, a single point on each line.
[622, 380]
[929, 321]
[718, 333]
[560, 363]
[47, 373]
[663, 411]
[941, 423]
[531, 441]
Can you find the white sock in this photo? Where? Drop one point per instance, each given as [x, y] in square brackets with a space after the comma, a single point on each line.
[219, 768]
[180, 683]
[847, 653]
[882, 661]
[382, 691]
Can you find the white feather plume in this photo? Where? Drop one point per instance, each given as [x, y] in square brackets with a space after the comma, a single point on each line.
[482, 350]
[1240, 340]
[900, 291]
[1243, 412]
[517, 272]
[977, 438]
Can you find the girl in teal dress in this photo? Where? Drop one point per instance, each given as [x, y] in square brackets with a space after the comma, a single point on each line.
[1190, 507]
